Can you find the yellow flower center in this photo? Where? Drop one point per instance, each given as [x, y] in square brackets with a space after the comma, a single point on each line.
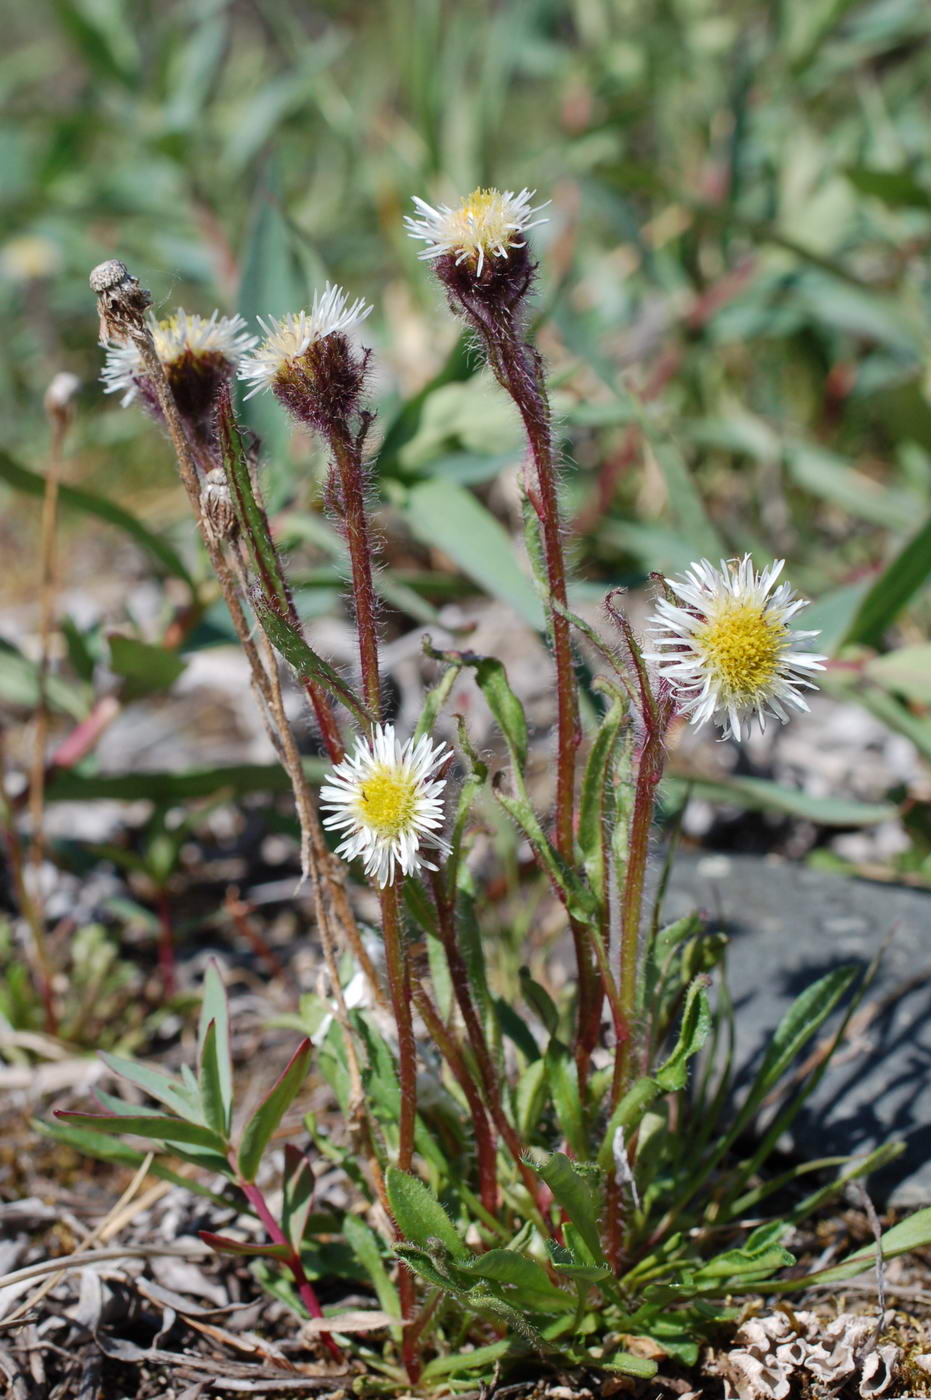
[742, 647]
[388, 801]
[482, 222]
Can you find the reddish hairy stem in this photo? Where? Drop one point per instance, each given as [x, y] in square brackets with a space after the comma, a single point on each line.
[484, 1139]
[490, 1084]
[520, 373]
[346, 454]
[166, 945]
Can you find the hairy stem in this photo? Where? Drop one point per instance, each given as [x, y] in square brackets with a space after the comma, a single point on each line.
[399, 986]
[520, 372]
[484, 1140]
[347, 457]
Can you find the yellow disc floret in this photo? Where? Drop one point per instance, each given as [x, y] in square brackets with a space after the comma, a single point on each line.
[388, 801]
[486, 225]
[742, 647]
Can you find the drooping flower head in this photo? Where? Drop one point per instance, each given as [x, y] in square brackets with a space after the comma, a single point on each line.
[729, 652]
[307, 361]
[199, 354]
[386, 802]
[479, 246]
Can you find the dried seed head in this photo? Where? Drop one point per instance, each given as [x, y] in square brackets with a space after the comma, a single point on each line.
[121, 300]
[217, 504]
[58, 401]
[108, 275]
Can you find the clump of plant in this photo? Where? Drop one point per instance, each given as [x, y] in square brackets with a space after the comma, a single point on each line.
[534, 1182]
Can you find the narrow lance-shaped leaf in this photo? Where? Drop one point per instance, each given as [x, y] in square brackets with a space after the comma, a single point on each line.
[250, 515]
[271, 1110]
[224, 1245]
[309, 666]
[492, 680]
[693, 1032]
[297, 1196]
[211, 1092]
[157, 1126]
[576, 1196]
[162, 1087]
[75, 498]
[893, 590]
[215, 1010]
[364, 1244]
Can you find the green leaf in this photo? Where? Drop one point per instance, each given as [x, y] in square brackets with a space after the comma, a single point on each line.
[271, 1110]
[365, 1246]
[575, 1194]
[159, 1126]
[271, 285]
[419, 1215]
[530, 1280]
[833, 479]
[761, 795]
[630, 1365]
[481, 1359]
[224, 1245]
[211, 1095]
[307, 664]
[504, 705]
[145, 668]
[893, 590]
[105, 1148]
[530, 1096]
[562, 1080]
[448, 517]
[739, 1263]
[214, 1011]
[627, 1116]
[162, 1087]
[297, 1195]
[913, 1233]
[72, 785]
[693, 1032]
[897, 188]
[539, 999]
[592, 803]
[19, 685]
[906, 671]
[805, 1016]
[74, 498]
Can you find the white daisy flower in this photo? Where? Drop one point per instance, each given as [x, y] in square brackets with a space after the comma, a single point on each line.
[287, 339]
[730, 653]
[214, 337]
[486, 225]
[386, 802]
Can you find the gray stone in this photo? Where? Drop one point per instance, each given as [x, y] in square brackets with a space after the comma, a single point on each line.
[788, 925]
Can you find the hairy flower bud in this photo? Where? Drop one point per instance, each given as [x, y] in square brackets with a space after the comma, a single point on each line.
[309, 363]
[479, 251]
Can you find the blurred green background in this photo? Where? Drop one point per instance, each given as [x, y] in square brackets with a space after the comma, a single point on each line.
[734, 287]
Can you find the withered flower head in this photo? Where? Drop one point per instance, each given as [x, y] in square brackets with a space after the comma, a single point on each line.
[308, 362]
